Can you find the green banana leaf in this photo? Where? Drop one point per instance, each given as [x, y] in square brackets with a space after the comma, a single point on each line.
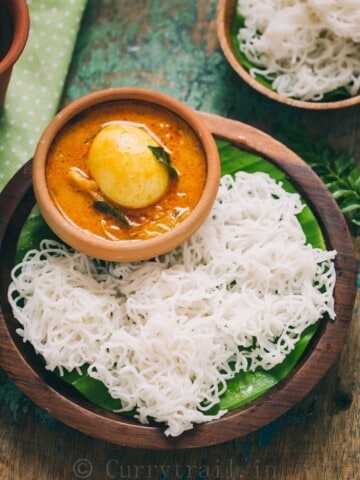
[245, 386]
[239, 22]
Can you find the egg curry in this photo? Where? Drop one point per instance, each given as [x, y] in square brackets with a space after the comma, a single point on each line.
[126, 170]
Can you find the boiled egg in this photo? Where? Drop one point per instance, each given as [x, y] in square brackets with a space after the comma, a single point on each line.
[124, 167]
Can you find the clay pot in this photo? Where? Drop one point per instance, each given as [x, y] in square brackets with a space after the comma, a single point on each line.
[125, 250]
[14, 31]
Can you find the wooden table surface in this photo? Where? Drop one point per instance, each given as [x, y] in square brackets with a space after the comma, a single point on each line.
[171, 46]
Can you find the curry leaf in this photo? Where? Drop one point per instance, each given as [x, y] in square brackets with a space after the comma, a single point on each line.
[105, 207]
[356, 219]
[338, 170]
[354, 179]
[350, 204]
[164, 158]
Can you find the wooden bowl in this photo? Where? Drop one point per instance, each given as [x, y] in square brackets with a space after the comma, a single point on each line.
[225, 18]
[125, 250]
[27, 371]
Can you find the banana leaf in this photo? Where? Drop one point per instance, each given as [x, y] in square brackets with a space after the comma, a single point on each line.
[245, 386]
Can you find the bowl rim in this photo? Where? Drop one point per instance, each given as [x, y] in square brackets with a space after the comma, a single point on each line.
[126, 250]
[224, 17]
[99, 423]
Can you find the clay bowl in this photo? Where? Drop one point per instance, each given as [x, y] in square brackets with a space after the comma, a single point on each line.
[14, 31]
[226, 12]
[62, 401]
[125, 250]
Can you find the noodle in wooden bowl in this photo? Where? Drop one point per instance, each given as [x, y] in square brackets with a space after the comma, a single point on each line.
[283, 52]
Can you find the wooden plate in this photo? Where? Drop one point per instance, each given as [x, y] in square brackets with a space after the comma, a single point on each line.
[224, 20]
[64, 403]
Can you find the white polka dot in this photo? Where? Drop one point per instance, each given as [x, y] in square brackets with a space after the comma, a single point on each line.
[38, 81]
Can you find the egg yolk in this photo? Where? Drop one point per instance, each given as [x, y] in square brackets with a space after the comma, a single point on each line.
[124, 168]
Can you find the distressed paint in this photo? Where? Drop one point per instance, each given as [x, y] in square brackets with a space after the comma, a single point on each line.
[172, 46]
[166, 46]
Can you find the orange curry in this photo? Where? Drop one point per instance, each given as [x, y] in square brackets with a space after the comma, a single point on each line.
[70, 149]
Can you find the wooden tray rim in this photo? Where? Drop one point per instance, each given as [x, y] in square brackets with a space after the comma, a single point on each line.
[80, 414]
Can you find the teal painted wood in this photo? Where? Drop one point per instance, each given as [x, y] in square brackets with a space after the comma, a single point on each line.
[172, 46]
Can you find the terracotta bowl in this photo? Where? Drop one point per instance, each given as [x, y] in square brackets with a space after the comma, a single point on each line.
[225, 18]
[125, 250]
[14, 31]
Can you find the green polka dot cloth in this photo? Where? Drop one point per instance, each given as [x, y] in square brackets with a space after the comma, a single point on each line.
[37, 80]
